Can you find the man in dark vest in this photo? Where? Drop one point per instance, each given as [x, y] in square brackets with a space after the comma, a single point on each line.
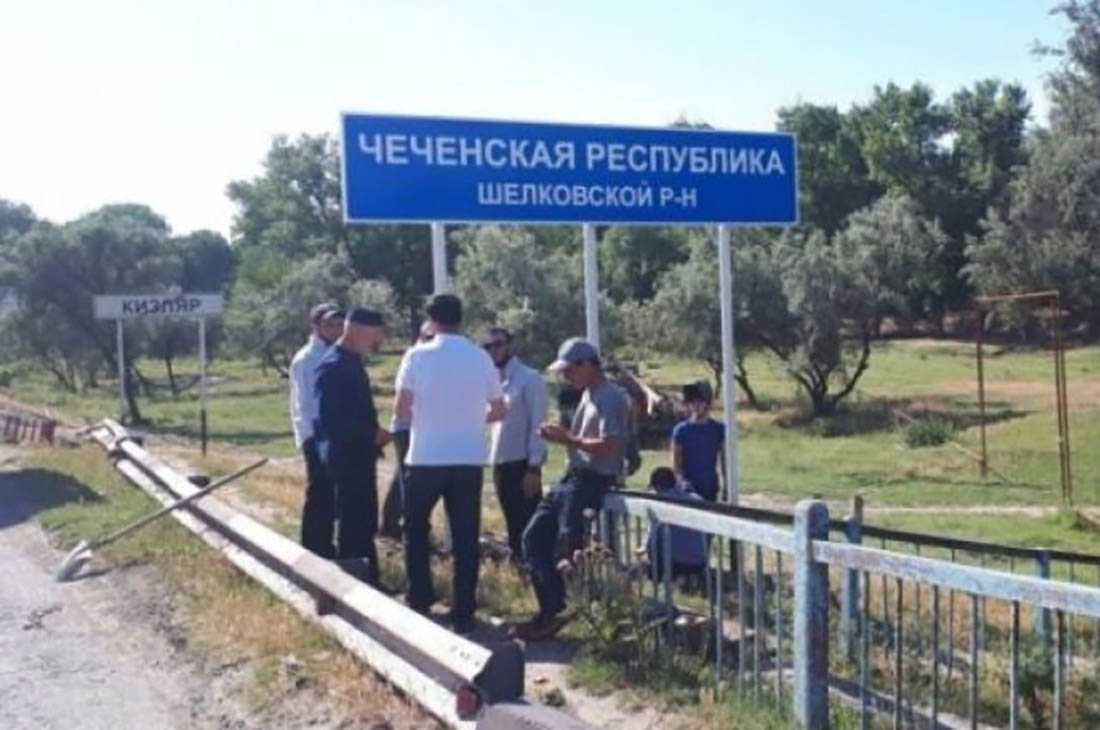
[349, 438]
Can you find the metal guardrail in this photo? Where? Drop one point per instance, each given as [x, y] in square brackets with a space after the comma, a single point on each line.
[870, 664]
[19, 428]
[460, 682]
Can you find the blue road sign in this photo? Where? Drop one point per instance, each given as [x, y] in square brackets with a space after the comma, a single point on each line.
[423, 169]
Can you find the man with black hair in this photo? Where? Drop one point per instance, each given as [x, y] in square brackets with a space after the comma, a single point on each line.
[450, 391]
[689, 547]
[595, 441]
[319, 507]
[349, 438]
[516, 449]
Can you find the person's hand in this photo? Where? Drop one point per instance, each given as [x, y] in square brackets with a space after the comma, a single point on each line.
[554, 433]
[532, 483]
[382, 437]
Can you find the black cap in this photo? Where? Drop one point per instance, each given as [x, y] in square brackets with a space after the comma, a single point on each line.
[321, 311]
[368, 317]
[698, 391]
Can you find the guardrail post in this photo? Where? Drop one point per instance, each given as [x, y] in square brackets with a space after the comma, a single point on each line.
[849, 598]
[1043, 623]
[811, 617]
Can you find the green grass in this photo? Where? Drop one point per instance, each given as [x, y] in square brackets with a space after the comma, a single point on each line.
[782, 452]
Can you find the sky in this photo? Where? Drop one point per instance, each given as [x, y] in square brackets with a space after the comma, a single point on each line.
[165, 103]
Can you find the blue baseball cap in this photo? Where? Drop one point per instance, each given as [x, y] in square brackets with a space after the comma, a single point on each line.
[574, 351]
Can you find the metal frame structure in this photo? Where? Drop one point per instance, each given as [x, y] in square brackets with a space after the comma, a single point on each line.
[908, 661]
[984, 305]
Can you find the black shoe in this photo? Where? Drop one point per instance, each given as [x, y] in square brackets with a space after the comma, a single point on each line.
[424, 609]
[463, 626]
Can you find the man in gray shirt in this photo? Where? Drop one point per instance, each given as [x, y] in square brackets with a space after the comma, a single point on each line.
[595, 442]
[517, 451]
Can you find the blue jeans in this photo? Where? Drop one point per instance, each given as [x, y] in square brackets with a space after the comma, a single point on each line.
[556, 529]
[460, 489]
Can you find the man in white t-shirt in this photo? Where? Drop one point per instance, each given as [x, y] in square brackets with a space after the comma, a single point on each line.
[450, 391]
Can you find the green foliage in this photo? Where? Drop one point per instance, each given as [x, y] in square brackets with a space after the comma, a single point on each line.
[274, 323]
[506, 279]
[1047, 235]
[931, 431]
[293, 212]
[632, 260]
[833, 178]
[684, 315]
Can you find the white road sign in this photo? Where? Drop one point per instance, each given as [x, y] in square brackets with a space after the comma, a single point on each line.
[133, 306]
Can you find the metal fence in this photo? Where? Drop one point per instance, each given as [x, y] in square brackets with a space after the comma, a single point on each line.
[844, 632]
[18, 428]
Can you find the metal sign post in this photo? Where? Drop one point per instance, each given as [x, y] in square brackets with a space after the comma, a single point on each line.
[591, 285]
[440, 282]
[405, 169]
[729, 361]
[202, 383]
[121, 372]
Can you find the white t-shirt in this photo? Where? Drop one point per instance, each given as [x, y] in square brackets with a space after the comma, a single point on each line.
[452, 381]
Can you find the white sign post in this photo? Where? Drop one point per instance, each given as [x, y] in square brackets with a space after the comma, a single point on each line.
[143, 306]
[440, 284]
[729, 361]
[591, 285]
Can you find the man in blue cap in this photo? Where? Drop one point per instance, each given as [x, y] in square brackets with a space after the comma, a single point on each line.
[349, 438]
[596, 441]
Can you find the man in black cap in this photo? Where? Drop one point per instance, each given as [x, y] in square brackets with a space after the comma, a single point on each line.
[596, 441]
[348, 439]
[319, 507]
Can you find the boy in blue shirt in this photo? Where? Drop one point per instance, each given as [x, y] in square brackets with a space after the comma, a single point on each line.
[697, 444]
[689, 547]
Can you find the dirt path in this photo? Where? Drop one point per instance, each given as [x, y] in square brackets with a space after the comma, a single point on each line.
[111, 650]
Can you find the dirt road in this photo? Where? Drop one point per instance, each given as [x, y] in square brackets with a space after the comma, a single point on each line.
[110, 651]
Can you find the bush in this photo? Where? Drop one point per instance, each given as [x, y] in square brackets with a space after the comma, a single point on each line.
[932, 431]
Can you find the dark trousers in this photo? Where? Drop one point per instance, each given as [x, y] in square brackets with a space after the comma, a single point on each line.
[392, 507]
[460, 489]
[556, 529]
[319, 510]
[514, 503]
[357, 512]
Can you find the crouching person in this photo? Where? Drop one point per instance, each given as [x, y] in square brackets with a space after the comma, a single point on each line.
[688, 547]
[595, 442]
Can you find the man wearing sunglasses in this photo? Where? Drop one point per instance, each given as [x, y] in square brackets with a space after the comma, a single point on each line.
[517, 451]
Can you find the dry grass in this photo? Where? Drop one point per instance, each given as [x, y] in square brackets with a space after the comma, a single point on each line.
[228, 617]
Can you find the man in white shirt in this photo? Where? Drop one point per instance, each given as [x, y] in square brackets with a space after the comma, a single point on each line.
[450, 391]
[516, 449]
[319, 508]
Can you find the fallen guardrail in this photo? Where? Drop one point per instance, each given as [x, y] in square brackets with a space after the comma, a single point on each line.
[20, 428]
[462, 683]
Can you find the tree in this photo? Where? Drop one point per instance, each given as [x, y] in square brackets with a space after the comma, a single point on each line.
[1048, 234]
[505, 279]
[953, 159]
[632, 260]
[207, 264]
[273, 323]
[833, 177]
[683, 318]
[897, 255]
[113, 250]
[293, 212]
[817, 305]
